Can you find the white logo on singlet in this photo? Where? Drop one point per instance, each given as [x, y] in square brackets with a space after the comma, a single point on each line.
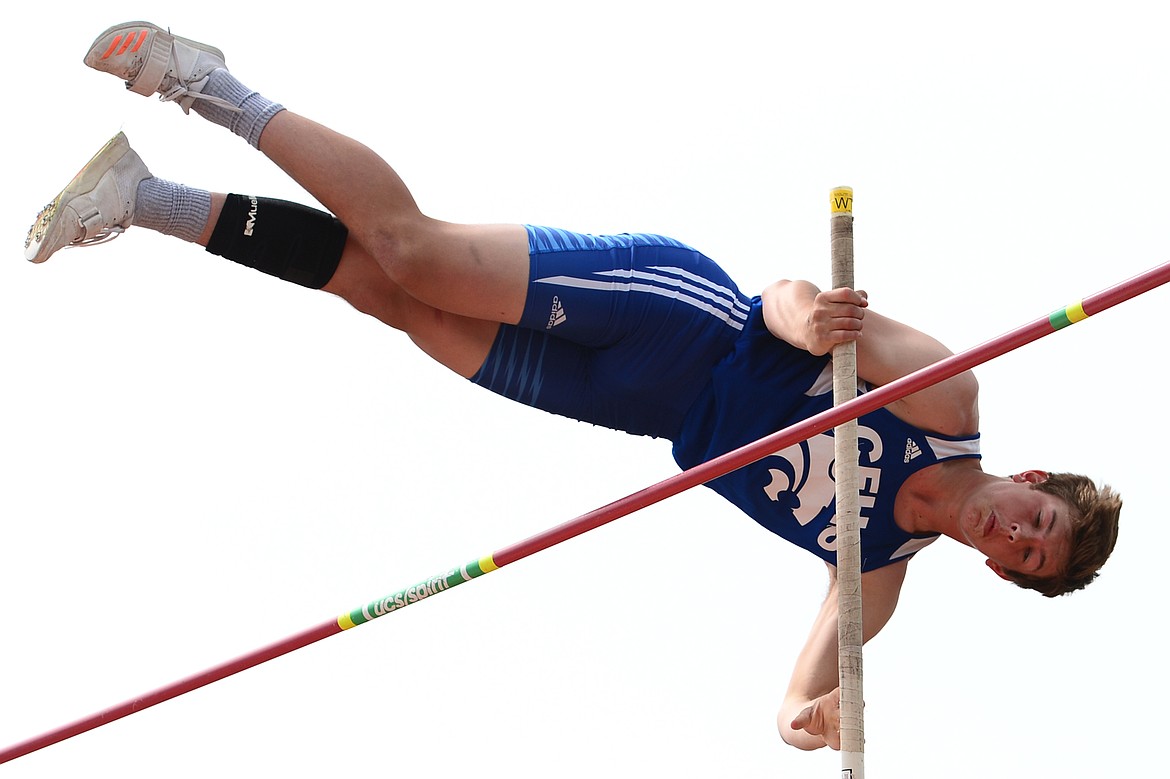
[802, 481]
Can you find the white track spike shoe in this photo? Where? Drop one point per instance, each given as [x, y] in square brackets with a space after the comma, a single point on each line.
[97, 205]
[149, 59]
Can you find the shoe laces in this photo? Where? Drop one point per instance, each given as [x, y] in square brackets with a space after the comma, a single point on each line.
[185, 96]
[106, 234]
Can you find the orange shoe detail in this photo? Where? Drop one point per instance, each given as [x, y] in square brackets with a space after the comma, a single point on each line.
[142, 36]
[131, 43]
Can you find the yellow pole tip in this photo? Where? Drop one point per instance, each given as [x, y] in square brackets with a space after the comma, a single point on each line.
[841, 200]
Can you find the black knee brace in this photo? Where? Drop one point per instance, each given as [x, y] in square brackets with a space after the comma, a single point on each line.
[287, 240]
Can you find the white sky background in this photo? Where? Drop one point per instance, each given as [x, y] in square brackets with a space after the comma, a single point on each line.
[198, 460]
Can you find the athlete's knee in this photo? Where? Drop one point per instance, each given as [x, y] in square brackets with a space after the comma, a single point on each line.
[362, 283]
[404, 247]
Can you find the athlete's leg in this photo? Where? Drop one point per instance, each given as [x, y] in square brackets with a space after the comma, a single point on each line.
[479, 271]
[461, 343]
[458, 342]
[115, 191]
[474, 270]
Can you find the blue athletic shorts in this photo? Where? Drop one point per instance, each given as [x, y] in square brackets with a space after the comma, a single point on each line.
[618, 330]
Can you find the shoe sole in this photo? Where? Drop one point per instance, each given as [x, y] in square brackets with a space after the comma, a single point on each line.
[85, 181]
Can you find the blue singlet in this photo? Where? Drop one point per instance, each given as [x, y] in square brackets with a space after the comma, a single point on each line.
[644, 334]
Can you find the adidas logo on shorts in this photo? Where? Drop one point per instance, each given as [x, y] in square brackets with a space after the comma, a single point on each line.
[557, 317]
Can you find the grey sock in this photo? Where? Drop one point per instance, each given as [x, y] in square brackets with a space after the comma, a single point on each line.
[255, 109]
[172, 209]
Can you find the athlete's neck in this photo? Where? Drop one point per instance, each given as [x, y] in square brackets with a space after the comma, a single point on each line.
[929, 501]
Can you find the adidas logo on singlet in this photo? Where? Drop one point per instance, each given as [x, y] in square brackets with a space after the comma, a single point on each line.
[912, 450]
[557, 317]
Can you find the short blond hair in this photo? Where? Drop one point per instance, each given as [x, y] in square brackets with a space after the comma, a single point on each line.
[1095, 514]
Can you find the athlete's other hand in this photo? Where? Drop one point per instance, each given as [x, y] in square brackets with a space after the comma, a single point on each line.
[822, 718]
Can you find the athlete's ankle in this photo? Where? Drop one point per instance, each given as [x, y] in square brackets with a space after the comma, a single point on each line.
[253, 113]
[172, 209]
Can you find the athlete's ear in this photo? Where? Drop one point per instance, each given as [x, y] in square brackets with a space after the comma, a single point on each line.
[998, 570]
[1030, 477]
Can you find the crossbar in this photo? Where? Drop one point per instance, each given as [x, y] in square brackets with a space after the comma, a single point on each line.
[699, 474]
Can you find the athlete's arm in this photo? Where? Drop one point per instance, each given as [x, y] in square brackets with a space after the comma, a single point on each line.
[810, 717]
[804, 316]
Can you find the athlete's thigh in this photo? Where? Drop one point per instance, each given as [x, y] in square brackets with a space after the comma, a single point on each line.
[477, 271]
[458, 342]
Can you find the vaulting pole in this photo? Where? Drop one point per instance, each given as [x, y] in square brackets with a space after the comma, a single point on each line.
[712, 469]
[848, 512]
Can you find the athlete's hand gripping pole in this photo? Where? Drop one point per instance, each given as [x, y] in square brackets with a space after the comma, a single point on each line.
[849, 632]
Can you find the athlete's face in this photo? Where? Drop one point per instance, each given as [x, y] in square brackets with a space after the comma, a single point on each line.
[1019, 528]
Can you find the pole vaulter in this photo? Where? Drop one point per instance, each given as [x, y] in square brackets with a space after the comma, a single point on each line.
[712, 469]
